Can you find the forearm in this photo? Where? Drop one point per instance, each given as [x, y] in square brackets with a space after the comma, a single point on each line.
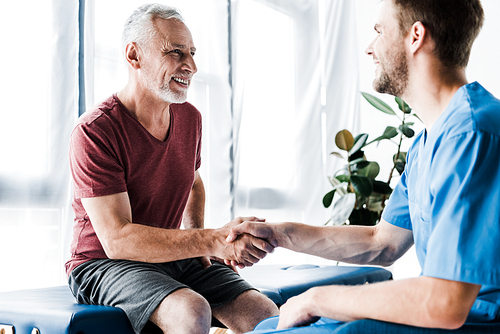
[422, 302]
[350, 244]
[111, 217]
[150, 244]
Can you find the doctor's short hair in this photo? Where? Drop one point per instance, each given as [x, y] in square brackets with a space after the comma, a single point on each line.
[139, 26]
[453, 25]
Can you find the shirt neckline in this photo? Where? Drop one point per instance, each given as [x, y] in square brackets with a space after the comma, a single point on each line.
[170, 128]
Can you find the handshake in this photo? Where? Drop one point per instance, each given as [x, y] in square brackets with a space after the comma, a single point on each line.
[245, 241]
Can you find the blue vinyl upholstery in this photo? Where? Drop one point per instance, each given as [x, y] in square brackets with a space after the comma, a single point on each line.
[55, 311]
[282, 282]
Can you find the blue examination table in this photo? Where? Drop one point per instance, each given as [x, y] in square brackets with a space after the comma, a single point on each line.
[55, 311]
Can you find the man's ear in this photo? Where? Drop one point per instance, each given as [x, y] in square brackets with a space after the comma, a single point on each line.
[418, 36]
[132, 55]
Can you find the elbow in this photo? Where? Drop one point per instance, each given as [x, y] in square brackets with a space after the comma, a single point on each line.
[112, 249]
[448, 315]
[117, 243]
[386, 258]
[387, 262]
[448, 321]
[456, 323]
[111, 253]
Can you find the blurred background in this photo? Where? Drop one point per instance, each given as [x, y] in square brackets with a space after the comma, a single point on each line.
[277, 79]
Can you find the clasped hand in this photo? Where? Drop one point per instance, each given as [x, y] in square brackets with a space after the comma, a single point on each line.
[249, 245]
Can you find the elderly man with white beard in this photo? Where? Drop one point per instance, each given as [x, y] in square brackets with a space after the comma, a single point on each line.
[134, 160]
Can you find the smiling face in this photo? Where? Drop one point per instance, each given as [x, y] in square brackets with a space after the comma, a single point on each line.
[168, 67]
[387, 50]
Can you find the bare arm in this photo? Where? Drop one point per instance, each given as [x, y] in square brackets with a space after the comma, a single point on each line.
[423, 302]
[111, 217]
[381, 244]
[194, 213]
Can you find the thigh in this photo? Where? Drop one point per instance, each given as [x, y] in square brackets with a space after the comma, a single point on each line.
[234, 302]
[218, 283]
[136, 287]
[244, 312]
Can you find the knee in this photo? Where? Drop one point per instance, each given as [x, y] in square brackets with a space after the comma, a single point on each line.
[194, 308]
[186, 312]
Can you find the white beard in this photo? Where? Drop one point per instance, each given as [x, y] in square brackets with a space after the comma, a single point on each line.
[163, 91]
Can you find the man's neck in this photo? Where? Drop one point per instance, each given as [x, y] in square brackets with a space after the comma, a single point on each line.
[152, 112]
[430, 93]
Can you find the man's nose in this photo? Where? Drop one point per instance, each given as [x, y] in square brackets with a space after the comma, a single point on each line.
[369, 48]
[189, 64]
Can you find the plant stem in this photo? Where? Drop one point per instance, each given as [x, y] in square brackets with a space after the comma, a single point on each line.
[397, 154]
[384, 198]
[395, 158]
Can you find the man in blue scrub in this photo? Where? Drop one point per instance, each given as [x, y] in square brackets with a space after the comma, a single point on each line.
[446, 203]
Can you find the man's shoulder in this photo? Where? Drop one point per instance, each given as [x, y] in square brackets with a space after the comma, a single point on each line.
[103, 108]
[186, 108]
[472, 110]
[484, 109]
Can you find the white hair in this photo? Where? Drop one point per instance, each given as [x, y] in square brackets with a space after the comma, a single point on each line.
[139, 26]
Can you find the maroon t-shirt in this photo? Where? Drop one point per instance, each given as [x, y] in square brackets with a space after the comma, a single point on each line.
[111, 152]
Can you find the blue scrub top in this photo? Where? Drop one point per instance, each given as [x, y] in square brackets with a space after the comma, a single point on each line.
[449, 196]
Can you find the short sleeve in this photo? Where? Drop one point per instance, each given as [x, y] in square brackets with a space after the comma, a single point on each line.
[397, 210]
[464, 241]
[94, 163]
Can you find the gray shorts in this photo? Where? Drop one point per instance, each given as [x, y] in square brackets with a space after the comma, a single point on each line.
[138, 287]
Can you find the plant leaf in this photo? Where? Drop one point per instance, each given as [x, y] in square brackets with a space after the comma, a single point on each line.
[338, 155]
[400, 167]
[389, 132]
[402, 105]
[342, 208]
[363, 217]
[359, 143]
[375, 202]
[328, 198]
[378, 103]
[359, 164]
[407, 131]
[362, 185]
[338, 185]
[359, 154]
[343, 178]
[344, 140]
[357, 161]
[371, 170]
[381, 187]
[402, 157]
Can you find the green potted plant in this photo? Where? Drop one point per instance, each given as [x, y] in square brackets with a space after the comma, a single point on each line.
[360, 197]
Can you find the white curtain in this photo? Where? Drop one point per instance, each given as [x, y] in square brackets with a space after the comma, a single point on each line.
[39, 94]
[295, 84]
